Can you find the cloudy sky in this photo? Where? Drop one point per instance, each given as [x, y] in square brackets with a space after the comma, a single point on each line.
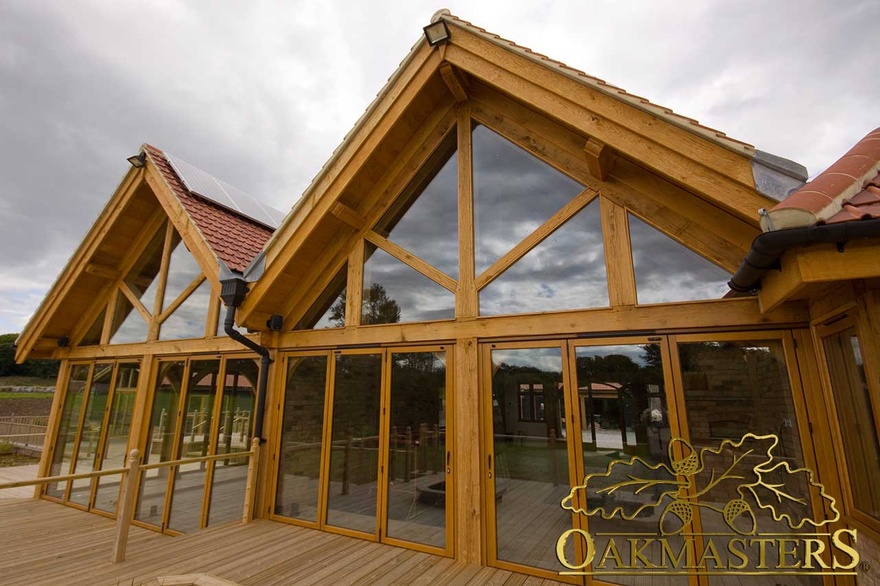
[261, 92]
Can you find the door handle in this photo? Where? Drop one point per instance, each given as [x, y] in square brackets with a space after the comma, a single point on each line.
[448, 467]
[490, 465]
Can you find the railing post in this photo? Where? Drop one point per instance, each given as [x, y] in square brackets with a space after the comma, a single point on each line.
[250, 491]
[126, 506]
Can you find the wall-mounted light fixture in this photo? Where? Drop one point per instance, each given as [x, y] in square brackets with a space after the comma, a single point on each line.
[436, 33]
[138, 161]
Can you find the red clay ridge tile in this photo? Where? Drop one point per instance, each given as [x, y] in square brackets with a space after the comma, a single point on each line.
[844, 192]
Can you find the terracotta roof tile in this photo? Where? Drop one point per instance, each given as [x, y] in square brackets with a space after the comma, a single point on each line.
[847, 191]
[235, 240]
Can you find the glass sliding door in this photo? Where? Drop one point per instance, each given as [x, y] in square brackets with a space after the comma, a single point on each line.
[65, 440]
[416, 452]
[528, 461]
[91, 426]
[353, 477]
[299, 458]
[742, 413]
[115, 443]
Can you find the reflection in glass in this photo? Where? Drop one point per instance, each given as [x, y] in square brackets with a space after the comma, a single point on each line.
[67, 426]
[128, 326]
[622, 409]
[730, 389]
[182, 270]
[93, 336]
[855, 412]
[301, 435]
[116, 442]
[188, 320]
[395, 292]
[354, 448]
[666, 271]
[514, 193]
[141, 279]
[531, 459]
[424, 220]
[160, 441]
[329, 310]
[417, 448]
[195, 435]
[234, 434]
[565, 271]
[90, 433]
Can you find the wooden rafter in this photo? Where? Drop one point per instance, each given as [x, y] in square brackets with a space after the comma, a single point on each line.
[349, 216]
[599, 158]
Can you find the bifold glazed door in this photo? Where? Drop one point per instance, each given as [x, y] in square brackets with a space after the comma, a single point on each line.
[669, 452]
[371, 459]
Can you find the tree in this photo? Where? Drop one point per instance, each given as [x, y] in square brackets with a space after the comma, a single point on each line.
[35, 368]
[378, 308]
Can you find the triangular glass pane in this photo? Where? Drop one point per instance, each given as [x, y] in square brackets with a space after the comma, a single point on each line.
[142, 276]
[93, 336]
[565, 271]
[395, 292]
[666, 271]
[424, 220]
[182, 270]
[189, 319]
[128, 325]
[514, 193]
[329, 310]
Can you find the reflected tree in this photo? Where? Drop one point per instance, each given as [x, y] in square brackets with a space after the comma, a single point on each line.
[377, 308]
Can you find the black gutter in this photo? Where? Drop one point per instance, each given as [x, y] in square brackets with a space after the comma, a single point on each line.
[233, 293]
[769, 246]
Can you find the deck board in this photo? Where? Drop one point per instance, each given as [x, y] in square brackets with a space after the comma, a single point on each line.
[48, 543]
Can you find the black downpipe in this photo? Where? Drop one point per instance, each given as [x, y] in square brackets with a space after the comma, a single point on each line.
[769, 246]
[233, 299]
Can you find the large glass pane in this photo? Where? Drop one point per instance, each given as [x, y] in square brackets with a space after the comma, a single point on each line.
[189, 319]
[299, 464]
[234, 434]
[395, 292]
[67, 426]
[142, 276]
[417, 448]
[128, 325]
[329, 310]
[424, 220]
[116, 442]
[565, 271]
[855, 412]
[531, 459]
[182, 270]
[514, 193]
[621, 404]
[732, 389]
[354, 448]
[90, 433]
[667, 271]
[160, 441]
[195, 436]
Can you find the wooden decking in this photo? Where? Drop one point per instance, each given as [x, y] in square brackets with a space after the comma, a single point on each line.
[48, 543]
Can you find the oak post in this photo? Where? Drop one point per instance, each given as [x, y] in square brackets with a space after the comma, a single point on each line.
[250, 488]
[126, 506]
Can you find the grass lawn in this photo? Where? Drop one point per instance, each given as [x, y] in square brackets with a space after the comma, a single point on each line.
[11, 395]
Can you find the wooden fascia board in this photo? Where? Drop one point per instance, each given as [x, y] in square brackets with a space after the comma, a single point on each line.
[185, 226]
[822, 263]
[730, 314]
[323, 194]
[718, 174]
[77, 264]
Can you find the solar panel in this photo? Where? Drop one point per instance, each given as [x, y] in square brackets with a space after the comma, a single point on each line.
[223, 194]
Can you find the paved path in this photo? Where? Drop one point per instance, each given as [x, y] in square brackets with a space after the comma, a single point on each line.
[14, 474]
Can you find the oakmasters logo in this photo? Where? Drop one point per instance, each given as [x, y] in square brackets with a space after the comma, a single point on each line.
[739, 508]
